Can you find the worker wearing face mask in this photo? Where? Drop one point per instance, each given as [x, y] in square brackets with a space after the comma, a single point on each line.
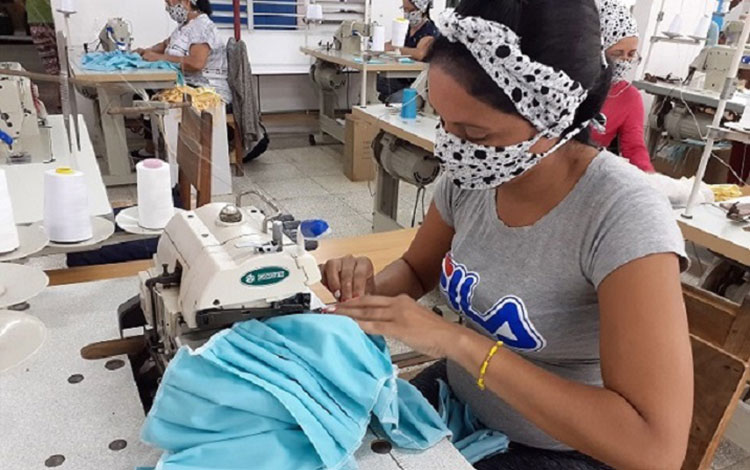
[419, 38]
[624, 105]
[199, 49]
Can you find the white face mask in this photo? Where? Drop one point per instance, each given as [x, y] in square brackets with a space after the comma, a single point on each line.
[415, 17]
[178, 13]
[476, 167]
[622, 70]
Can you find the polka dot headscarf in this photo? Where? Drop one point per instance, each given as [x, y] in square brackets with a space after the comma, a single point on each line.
[545, 96]
[616, 23]
[422, 5]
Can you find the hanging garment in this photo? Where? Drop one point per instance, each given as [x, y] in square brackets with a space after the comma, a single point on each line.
[295, 392]
[246, 108]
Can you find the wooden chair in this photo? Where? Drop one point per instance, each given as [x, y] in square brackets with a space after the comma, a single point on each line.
[236, 157]
[194, 143]
[720, 335]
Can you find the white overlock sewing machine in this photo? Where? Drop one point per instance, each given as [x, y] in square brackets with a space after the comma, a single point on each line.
[715, 60]
[349, 36]
[23, 118]
[116, 35]
[216, 266]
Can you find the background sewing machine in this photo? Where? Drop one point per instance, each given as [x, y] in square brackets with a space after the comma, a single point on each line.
[216, 266]
[116, 36]
[350, 36]
[715, 61]
[23, 119]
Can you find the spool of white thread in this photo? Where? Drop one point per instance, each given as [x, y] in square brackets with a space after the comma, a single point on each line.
[67, 217]
[398, 32]
[8, 231]
[67, 7]
[675, 26]
[155, 204]
[314, 12]
[378, 38]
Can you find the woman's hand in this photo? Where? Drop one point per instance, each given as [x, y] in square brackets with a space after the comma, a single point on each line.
[151, 56]
[140, 51]
[403, 319]
[349, 277]
[389, 47]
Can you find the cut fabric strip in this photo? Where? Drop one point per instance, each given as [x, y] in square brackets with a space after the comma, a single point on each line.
[474, 441]
[296, 392]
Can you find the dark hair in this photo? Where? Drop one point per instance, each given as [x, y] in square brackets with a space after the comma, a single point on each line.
[204, 6]
[562, 34]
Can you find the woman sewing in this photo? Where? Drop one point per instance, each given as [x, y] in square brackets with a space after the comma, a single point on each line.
[624, 105]
[562, 261]
[422, 32]
[199, 49]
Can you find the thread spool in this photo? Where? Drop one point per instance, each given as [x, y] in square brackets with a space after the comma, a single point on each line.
[67, 217]
[409, 107]
[701, 30]
[378, 39]
[314, 12]
[398, 32]
[67, 7]
[155, 204]
[675, 26]
[8, 231]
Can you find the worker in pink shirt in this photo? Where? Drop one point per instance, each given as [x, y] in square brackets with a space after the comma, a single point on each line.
[624, 105]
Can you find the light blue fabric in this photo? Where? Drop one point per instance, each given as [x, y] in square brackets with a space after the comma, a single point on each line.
[124, 61]
[291, 393]
[474, 441]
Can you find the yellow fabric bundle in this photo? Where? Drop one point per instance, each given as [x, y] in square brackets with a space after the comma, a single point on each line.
[202, 98]
[724, 192]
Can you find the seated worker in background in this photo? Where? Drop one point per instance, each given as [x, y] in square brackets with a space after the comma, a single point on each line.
[421, 34]
[199, 49]
[624, 105]
[575, 339]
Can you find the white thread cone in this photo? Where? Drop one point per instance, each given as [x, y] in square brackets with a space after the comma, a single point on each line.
[67, 217]
[378, 39]
[8, 230]
[399, 31]
[155, 204]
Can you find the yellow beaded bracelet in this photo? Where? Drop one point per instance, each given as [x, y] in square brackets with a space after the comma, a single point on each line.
[486, 364]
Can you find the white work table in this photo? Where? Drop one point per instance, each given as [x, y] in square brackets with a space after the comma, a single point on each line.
[420, 131]
[711, 229]
[384, 64]
[26, 180]
[44, 415]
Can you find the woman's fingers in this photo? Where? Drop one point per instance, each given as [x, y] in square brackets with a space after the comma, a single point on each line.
[347, 277]
[372, 314]
[363, 273]
[332, 277]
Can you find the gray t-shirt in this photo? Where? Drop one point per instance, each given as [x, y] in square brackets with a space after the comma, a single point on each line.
[535, 287]
[202, 30]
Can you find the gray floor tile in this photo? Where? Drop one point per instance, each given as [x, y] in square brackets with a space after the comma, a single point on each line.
[122, 194]
[292, 188]
[729, 454]
[743, 465]
[318, 207]
[322, 165]
[339, 184]
[361, 201]
[277, 171]
[349, 226]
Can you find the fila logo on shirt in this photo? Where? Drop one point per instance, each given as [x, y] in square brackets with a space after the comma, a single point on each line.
[507, 320]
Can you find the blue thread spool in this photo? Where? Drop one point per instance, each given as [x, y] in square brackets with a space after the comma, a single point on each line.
[409, 108]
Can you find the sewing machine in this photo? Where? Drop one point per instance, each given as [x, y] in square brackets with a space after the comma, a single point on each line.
[216, 266]
[116, 35]
[23, 118]
[715, 61]
[348, 36]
